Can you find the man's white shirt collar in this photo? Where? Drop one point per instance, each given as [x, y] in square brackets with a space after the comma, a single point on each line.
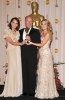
[24, 33]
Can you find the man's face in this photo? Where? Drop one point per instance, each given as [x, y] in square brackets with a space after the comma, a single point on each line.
[28, 22]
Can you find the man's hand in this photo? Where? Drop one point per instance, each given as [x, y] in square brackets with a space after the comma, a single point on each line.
[24, 42]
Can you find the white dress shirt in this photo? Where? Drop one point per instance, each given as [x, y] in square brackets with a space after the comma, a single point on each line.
[25, 33]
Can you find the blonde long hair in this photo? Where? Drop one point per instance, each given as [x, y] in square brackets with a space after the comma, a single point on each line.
[49, 26]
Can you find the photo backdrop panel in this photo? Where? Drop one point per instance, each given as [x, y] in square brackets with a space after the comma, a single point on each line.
[52, 10]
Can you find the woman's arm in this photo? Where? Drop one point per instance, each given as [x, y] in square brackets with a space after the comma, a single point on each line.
[47, 37]
[8, 39]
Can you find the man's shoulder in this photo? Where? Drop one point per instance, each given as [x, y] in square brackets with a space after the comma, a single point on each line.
[21, 30]
[35, 29]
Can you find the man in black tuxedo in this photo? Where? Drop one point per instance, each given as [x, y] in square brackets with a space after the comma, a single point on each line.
[29, 56]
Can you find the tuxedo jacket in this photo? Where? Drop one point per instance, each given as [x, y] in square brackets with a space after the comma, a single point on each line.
[30, 51]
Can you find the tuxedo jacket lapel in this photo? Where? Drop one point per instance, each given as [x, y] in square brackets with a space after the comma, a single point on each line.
[31, 31]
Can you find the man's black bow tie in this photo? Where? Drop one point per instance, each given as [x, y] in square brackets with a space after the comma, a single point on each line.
[26, 29]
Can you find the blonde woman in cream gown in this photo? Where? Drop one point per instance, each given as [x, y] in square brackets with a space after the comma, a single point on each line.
[13, 83]
[46, 87]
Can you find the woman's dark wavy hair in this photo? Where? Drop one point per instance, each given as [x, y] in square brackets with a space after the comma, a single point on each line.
[14, 18]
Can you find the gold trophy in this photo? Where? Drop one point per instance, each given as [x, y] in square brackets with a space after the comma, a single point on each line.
[27, 34]
[27, 41]
[37, 18]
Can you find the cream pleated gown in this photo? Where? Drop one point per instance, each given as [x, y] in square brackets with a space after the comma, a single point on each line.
[13, 82]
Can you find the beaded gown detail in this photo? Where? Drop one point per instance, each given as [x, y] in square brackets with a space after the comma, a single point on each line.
[46, 87]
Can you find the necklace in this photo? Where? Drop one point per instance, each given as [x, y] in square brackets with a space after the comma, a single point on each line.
[14, 33]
